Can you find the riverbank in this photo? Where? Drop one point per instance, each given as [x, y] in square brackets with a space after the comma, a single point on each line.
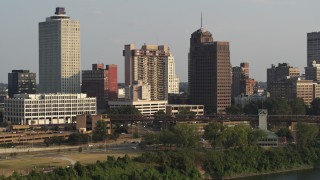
[244, 175]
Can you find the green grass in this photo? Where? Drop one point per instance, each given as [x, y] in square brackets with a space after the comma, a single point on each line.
[25, 163]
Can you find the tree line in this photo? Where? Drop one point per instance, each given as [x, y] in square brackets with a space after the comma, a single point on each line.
[277, 106]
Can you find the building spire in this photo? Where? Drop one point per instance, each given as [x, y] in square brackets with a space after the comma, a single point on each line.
[201, 19]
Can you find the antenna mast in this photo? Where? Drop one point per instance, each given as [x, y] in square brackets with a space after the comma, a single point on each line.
[201, 19]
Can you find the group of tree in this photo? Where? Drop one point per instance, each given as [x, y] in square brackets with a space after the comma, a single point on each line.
[227, 137]
[181, 135]
[158, 165]
[277, 106]
[239, 156]
[74, 139]
[129, 112]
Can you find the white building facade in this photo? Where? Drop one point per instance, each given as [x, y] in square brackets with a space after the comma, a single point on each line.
[59, 54]
[40, 109]
[147, 108]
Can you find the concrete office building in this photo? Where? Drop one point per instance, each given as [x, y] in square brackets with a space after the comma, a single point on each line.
[209, 72]
[154, 66]
[59, 54]
[101, 82]
[281, 72]
[313, 48]
[21, 82]
[38, 109]
[87, 122]
[292, 88]
[312, 72]
[316, 90]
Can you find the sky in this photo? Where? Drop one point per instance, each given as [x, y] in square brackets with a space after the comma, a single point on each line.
[260, 32]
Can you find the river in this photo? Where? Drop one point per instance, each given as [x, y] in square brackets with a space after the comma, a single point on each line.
[310, 174]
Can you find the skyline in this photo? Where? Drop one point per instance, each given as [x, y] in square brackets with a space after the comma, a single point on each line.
[260, 32]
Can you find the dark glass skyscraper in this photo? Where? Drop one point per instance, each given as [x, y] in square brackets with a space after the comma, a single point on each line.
[20, 82]
[313, 48]
[209, 72]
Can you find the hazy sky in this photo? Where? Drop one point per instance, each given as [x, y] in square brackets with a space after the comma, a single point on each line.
[261, 32]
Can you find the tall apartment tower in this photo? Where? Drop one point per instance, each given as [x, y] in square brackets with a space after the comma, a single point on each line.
[21, 82]
[59, 54]
[154, 66]
[101, 82]
[239, 75]
[313, 48]
[209, 72]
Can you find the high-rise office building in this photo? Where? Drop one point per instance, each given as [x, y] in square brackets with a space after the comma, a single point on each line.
[21, 82]
[313, 48]
[101, 82]
[209, 72]
[281, 72]
[59, 54]
[154, 66]
[292, 88]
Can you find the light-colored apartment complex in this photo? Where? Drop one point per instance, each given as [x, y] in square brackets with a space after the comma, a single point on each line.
[59, 54]
[36, 109]
[154, 66]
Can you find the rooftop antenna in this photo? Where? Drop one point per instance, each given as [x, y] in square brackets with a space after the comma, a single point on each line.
[201, 19]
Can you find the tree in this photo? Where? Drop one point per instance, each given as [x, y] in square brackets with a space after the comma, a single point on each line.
[150, 138]
[159, 116]
[234, 109]
[128, 111]
[213, 132]
[284, 132]
[298, 107]
[236, 136]
[251, 108]
[185, 113]
[185, 135]
[315, 107]
[255, 135]
[77, 138]
[307, 135]
[277, 106]
[167, 138]
[1, 116]
[100, 131]
[55, 128]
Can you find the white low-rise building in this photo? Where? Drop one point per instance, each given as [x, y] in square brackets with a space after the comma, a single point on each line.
[34, 109]
[173, 109]
[147, 108]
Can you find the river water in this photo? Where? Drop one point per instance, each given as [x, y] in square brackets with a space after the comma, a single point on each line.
[311, 174]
